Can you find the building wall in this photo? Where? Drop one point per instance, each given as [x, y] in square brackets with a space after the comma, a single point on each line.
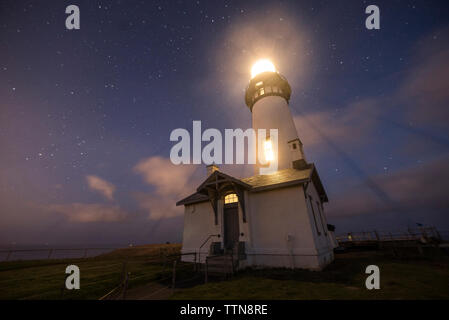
[323, 240]
[282, 231]
[279, 232]
[333, 239]
[199, 223]
[273, 112]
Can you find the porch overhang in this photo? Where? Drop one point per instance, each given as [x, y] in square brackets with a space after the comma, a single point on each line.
[217, 185]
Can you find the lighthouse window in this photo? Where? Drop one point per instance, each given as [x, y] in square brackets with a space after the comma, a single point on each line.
[231, 198]
[258, 84]
[262, 91]
[294, 146]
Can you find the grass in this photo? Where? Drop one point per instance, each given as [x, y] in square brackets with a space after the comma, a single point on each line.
[343, 279]
[400, 278]
[45, 279]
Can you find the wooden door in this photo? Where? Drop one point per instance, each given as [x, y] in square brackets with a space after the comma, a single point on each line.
[231, 226]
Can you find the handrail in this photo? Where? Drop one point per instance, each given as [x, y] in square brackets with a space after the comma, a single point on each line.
[205, 241]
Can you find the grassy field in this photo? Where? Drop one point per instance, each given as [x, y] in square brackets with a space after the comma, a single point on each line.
[44, 279]
[344, 279]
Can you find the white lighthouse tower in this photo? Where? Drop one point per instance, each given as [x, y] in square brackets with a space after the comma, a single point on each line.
[267, 96]
[274, 218]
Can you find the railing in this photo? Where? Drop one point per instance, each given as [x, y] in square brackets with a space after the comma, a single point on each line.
[410, 234]
[119, 290]
[51, 252]
[202, 245]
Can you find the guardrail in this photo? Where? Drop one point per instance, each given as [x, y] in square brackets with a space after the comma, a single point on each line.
[410, 234]
[48, 253]
[202, 245]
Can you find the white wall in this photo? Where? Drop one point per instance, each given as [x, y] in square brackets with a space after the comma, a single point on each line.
[199, 223]
[276, 214]
[323, 241]
[273, 112]
[271, 217]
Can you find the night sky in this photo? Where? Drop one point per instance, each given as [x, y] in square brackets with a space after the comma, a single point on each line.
[86, 115]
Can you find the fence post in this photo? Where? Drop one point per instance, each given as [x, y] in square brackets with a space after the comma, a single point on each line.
[125, 285]
[420, 250]
[205, 272]
[437, 234]
[195, 265]
[173, 280]
[124, 272]
[49, 253]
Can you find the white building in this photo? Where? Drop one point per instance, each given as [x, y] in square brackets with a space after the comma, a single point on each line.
[272, 220]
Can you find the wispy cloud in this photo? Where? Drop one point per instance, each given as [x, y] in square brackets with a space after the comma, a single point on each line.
[425, 90]
[414, 188]
[81, 212]
[171, 182]
[100, 185]
[349, 126]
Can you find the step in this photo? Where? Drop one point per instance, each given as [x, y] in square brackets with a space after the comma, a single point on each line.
[214, 262]
[219, 269]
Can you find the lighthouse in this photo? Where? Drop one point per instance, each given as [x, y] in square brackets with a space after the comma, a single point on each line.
[267, 97]
[274, 218]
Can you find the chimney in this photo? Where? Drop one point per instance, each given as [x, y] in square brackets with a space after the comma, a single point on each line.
[297, 157]
[211, 169]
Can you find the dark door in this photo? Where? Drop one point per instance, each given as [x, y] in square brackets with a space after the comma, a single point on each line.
[231, 226]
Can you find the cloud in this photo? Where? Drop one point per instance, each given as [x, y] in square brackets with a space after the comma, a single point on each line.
[418, 106]
[422, 187]
[425, 89]
[80, 212]
[164, 175]
[107, 189]
[171, 183]
[351, 125]
[160, 206]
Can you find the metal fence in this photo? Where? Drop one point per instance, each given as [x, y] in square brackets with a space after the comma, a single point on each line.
[409, 234]
[51, 253]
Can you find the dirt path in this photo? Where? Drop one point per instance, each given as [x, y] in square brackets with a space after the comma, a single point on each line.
[150, 291]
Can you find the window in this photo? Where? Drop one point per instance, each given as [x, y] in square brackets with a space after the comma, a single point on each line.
[313, 214]
[231, 198]
[294, 146]
[261, 91]
[321, 217]
[268, 146]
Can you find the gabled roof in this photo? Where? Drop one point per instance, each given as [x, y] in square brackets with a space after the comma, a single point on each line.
[279, 179]
[219, 177]
[193, 198]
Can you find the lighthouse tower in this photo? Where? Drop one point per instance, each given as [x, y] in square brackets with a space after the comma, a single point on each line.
[274, 218]
[268, 96]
